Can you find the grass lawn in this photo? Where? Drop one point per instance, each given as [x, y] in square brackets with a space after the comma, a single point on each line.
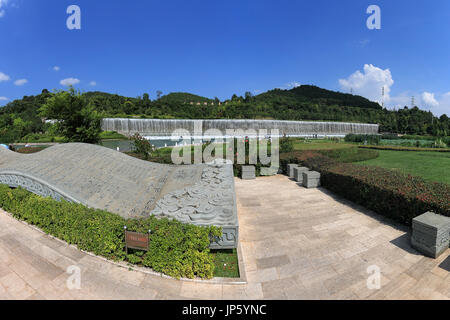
[226, 263]
[111, 135]
[320, 145]
[36, 138]
[432, 166]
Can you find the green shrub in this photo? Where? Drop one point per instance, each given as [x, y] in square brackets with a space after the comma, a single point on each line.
[176, 249]
[142, 145]
[390, 136]
[286, 144]
[363, 138]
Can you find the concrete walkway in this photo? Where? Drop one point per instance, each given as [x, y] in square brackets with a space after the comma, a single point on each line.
[296, 244]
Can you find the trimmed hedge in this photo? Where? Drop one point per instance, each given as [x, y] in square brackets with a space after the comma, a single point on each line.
[352, 154]
[393, 148]
[369, 138]
[387, 192]
[176, 249]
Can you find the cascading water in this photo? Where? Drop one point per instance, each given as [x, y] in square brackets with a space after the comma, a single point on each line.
[166, 127]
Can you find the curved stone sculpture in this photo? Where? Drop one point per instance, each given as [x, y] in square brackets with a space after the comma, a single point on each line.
[105, 179]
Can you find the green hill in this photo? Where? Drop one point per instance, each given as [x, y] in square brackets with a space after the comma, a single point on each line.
[183, 97]
[21, 117]
[313, 94]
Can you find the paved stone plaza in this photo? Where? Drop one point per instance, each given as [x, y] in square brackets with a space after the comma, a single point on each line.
[296, 243]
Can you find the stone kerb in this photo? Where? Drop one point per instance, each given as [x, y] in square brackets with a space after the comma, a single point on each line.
[290, 169]
[248, 172]
[431, 234]
[298, 173]
[311, 179]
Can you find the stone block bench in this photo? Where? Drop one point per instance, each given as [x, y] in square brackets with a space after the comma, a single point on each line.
[311, 179]
[298, 173]
[431, 234]
[290, 169]
[248, 173]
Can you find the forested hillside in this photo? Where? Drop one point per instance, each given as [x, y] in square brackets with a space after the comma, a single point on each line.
[21, 117]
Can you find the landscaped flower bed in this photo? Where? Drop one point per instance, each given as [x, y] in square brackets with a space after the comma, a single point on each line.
[176, 249]
[387, 192]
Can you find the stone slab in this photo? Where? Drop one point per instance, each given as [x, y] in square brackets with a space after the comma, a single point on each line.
[248, 172]
[311, 179]
[298, 173]
[105, 179]
[290, 169]
[431, 233]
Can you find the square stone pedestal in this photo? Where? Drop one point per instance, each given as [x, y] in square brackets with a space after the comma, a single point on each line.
[298, 173]
[290, 169]
[430, 234]
[311, 179]
[248, 173]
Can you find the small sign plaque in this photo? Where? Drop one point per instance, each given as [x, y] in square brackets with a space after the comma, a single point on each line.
[135, 240]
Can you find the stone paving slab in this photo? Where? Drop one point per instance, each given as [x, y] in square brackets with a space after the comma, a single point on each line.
[323, 253]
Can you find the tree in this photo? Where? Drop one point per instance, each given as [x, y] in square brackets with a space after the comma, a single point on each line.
[128, 107]
[248, 96]
[142, 145]
[158, 94]
[78, 120]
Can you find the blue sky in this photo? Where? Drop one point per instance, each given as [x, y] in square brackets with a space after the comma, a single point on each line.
[217, 48]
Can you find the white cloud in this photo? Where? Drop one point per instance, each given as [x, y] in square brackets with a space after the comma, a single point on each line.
[293, 84]
[69, 82]
[290, 85]
[56, 68]
[20, 82]
[443, 105]
[4, 99]
[436, 103]
[4, 77]
[3, 4]
[369, 83]
[92, 83]
[364, 42]
[429, 99]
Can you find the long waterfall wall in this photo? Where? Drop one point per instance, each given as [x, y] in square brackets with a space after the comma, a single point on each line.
[165, 127]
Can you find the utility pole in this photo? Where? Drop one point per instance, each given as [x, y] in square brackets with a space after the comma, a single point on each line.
[382, 96]
[412, 102]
